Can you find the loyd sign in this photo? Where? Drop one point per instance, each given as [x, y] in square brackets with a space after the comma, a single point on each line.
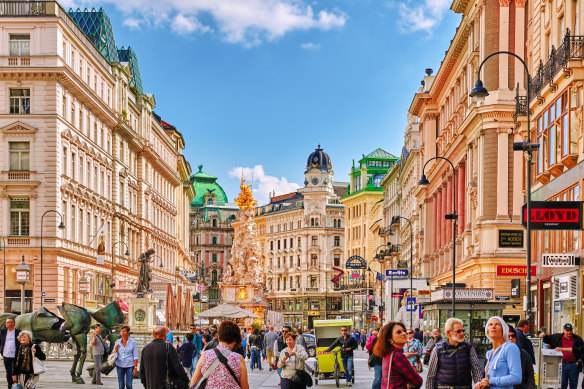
[554, 215]
[558, 260]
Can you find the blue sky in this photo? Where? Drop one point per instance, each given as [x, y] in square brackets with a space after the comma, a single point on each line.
[258, 84]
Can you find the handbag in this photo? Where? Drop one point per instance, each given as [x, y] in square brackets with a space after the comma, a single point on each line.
[111, 359]
[38, 366]
[202, 382]
[302, 377]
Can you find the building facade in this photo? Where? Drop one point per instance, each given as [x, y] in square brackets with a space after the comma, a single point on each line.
[477, 140]
[211, 234]
[362, 289]
[555, 43]
[82, 145]
[304, 237]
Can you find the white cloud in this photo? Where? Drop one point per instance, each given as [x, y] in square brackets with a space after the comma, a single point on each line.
[421, 17]
[247, 22]
[263, 184]
[185, 25]
[310, 46]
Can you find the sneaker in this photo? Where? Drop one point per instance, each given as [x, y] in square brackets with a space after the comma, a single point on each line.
[349, 384]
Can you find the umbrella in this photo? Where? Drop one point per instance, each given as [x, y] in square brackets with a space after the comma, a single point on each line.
[227, 311]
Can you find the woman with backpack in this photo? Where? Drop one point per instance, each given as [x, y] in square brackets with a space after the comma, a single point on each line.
[374, 361]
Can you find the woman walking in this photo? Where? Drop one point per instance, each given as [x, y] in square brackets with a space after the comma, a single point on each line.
[127, 358]
[23, 368]
[397, 371]
[219, 375]
[363, 339]
[413, 350]
[503, 366]
[291, 359]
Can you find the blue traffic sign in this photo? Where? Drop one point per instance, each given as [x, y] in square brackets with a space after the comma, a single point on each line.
[43, 294]
[396, 272]
[411, 304]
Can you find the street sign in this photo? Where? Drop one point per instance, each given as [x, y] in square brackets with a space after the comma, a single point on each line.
[204, 298]
[188, 273]
[554, 215]
[502, 298]
[411, 304]
[558, 260]
[356, 262]
[396, 273]
[374, 318]
[50, 300]
[510, 238]
[201, 287]
[43, 294]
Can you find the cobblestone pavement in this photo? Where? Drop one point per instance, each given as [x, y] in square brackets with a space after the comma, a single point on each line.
[57, 376]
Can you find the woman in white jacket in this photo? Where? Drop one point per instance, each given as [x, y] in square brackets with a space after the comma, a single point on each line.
[291, 359]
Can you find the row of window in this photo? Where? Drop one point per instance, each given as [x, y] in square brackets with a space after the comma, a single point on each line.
[87, 124]
[355, 232]
[355, 210]
[313, 242]
[282, 305]
[293, 282]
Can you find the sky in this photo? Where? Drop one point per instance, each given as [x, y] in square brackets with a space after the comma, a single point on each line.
[257, 85]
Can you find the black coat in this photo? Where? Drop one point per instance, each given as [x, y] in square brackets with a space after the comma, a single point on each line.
[348, 342]
[20, 367]
[527, 378]
[525, 344]
[3, 333]
[555, 340]
[156, 357]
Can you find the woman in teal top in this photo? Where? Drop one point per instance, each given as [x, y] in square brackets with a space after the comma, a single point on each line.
[503, 366]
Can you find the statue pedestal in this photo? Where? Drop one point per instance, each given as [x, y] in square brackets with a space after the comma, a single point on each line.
[142, 314]
[246, 297]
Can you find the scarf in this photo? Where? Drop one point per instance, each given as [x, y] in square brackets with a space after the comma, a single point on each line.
[24, 358]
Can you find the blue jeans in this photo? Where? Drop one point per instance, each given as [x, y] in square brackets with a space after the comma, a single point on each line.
[125, 377]
[377, 377]
[348, 366]
[255, 357]
[570, 372]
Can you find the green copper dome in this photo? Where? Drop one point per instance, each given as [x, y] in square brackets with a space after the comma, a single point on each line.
[207, 188]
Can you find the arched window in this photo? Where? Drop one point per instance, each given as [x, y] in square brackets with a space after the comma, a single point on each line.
[209, 201]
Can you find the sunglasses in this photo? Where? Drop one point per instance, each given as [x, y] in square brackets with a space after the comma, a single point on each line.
[459, 331]
[410, 333]
[512, 336]
[285, 332]
[399, 332]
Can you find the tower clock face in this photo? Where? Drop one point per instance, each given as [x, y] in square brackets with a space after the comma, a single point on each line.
[315, 181]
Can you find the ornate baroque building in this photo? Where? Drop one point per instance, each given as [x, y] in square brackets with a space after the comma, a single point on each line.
[80, 140]
[211, 234]
[304, 240]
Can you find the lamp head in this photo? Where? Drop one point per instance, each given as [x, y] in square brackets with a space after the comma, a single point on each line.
[61, 226]
[376, 256]
[127, 253]
[395, 220]
[161, 265]
[423, 181]
[479, 92]
[391, 233]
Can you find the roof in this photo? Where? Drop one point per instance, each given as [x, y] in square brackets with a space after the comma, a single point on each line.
[380, 153]
[129, 55]
[320, 160]
[204, 185]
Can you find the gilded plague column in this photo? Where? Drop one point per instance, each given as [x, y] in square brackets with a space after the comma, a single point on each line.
[243, 280]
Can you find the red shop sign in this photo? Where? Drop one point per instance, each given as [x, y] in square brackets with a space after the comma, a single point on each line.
[513, 271]
[554, 215]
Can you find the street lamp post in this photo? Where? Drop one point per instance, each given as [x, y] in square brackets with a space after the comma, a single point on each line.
[127, 254]
[22, 277]
[378, 257]
[395, 220]
[449, 216]
[61, 226]
[478, 93]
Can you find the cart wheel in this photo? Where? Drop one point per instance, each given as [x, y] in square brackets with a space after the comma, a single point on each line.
[337, 374]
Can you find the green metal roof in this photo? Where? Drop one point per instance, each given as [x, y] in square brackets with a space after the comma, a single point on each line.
[205, 184]
[98, 28]
[129, 55]
[380, 154]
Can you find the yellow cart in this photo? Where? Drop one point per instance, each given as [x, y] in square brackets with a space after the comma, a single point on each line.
[328, 363]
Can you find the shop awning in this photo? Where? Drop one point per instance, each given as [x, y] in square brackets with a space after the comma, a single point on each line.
[160, 316]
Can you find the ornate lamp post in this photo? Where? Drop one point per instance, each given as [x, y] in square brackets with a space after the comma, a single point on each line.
[3, 248]
[379, 258]
[450, 216]
[61, 227]
[395, 220]
[478, 93]
[127, 254]
[22, 277]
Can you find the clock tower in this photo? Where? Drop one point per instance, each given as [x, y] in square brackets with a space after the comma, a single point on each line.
[318, 176]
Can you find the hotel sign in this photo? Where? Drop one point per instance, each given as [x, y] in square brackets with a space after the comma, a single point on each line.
[554, 215]
[510, 238]
[558, 260]
[356, 262]
[513, 271]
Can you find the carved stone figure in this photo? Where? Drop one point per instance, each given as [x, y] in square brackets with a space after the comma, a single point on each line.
[145, 272]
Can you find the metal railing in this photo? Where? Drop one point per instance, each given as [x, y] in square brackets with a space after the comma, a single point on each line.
[23, 8]
[572, 48]
[520, 106]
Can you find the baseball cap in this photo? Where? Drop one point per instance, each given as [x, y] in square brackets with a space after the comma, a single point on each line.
[568, 327]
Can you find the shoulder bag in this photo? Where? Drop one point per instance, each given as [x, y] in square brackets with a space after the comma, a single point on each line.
[38, 366]
[301, 376]
[223, 360]
[202, 382]
[170, 383]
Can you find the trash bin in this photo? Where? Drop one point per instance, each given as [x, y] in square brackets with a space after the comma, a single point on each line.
[550, 369]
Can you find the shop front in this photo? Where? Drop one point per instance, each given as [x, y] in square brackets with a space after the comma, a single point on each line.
[564, 305]
[472, 307]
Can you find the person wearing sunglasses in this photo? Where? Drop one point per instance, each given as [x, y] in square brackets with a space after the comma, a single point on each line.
[528, 380]
[413, 350]
[572, 348]
[396, 371]
[347, 344]
[454, 363]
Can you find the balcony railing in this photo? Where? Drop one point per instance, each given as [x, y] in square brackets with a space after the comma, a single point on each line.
[23, 8]
[572, 48]
[520, 106]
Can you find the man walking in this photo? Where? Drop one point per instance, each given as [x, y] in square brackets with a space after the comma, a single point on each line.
[98, 346]
[8, 345]
[269, 340]
[572, 348]
[435, 338]
[347, 344]
[523, 343]
[453, 363]
[160, 360]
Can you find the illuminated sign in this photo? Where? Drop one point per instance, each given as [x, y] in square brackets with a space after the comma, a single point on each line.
[513, 271]
[554, 215]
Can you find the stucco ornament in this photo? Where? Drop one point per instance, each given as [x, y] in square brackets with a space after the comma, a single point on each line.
[244, 267]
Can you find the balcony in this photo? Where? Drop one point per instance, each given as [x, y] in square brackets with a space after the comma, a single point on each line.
[18, 176]
[18, 61]
[23, 8]
[572, 48]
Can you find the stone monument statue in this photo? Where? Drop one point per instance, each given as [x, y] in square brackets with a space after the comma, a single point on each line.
[145, 273]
